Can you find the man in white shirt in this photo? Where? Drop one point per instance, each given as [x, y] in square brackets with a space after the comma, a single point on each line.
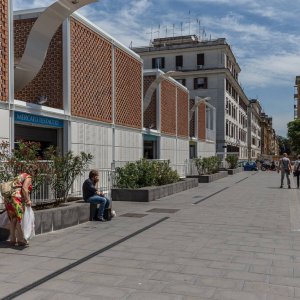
[285, 167]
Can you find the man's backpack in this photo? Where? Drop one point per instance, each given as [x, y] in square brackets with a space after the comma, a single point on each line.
[7, 188]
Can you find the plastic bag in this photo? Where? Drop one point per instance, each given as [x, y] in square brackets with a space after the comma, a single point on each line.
[28, 223]
[4, 220]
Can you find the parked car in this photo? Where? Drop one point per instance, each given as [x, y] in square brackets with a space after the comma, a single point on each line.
[250, 166]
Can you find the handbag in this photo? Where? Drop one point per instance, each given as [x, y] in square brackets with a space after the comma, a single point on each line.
[28, 225]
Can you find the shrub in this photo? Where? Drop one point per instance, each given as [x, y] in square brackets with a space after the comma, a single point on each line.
[63, 171]
[232, 160]
[144, 173]
[207, 165]
[24, 158]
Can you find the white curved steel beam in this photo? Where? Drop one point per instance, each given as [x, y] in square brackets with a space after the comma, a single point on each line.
[198, 101]
[153, 87]
[40, 37]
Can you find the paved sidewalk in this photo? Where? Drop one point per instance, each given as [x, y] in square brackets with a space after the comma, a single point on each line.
[241, 243]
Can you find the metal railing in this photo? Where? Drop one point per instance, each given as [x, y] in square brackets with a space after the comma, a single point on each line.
[105, 184]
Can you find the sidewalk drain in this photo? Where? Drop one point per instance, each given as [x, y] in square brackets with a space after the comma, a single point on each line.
[133, 215]
[163, 210]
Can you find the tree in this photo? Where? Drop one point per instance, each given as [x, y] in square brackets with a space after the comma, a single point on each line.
[294, 135]
[284, 145]
[24, 158]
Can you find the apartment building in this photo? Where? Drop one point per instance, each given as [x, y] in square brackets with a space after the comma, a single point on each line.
[254, 129]
[87, 95]
[297, 98]
[269, 141]
[207, 69]
[5, 70]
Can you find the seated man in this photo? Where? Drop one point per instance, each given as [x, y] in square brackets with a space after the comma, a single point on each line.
[92, 195]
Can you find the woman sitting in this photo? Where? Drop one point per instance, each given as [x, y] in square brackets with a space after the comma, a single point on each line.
[15, 207]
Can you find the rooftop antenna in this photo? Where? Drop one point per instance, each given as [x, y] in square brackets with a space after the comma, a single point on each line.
[158, 30]
[181, 27]
[199, 28]
[130, 46]
[173, 30]
[189, 22]
[166, 31]
[151, 34]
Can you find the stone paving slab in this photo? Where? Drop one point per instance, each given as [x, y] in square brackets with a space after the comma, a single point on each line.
[240, 244]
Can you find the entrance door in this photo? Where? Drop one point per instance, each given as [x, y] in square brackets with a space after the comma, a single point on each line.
[43, 135]
[150, 149]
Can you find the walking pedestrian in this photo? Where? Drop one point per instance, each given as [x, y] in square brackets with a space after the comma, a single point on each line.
[15, 207]
[297, 170]
[285, 167]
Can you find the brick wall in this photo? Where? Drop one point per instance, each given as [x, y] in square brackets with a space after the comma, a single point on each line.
[168, 107]
[150, 113]
[182, 113]
[128, 90]
[49, 81]
[91, 74]
[202, 121]
[4, 59]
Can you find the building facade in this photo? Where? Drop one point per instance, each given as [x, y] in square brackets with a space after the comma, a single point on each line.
[166, 120]
[84, 98]
[207, 69]
[297, 98]
[254, 130]
[5, 70]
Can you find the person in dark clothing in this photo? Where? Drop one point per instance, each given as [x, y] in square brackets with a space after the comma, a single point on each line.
[92, 195]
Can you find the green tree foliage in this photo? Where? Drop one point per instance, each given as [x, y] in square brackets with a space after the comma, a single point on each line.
[294, 135]
[23, 159]
[232, 160]
[63, 171]
[144, 173]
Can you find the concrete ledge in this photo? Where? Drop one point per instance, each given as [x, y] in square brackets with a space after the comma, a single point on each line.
[235, 171]
[61, 217]
[209, 178]
[152, 193]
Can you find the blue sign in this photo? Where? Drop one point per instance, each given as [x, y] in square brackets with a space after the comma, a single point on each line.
[38, 120]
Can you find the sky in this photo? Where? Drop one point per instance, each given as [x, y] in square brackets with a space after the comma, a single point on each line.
[263, 35]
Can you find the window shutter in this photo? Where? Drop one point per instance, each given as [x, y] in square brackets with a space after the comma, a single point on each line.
[179, 61]
[162, 63]
[153, 63]
[200, 59]
[195, 83]
[205, 83]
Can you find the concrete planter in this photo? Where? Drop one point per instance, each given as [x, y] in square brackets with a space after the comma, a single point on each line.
[61, 217]
[152, 193]
[235, 171]
[209, 178]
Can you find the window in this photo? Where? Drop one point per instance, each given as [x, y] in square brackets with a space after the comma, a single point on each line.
[179, 62]
[200, 83]
[200, 60]
[158, 63]
[182, 81]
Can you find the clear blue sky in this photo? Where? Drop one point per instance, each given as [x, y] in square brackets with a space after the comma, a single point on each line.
[264, 36]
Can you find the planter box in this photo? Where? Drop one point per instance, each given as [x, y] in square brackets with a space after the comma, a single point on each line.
[152, 193]
[235, 171]
[61, 217]
[209, 178]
